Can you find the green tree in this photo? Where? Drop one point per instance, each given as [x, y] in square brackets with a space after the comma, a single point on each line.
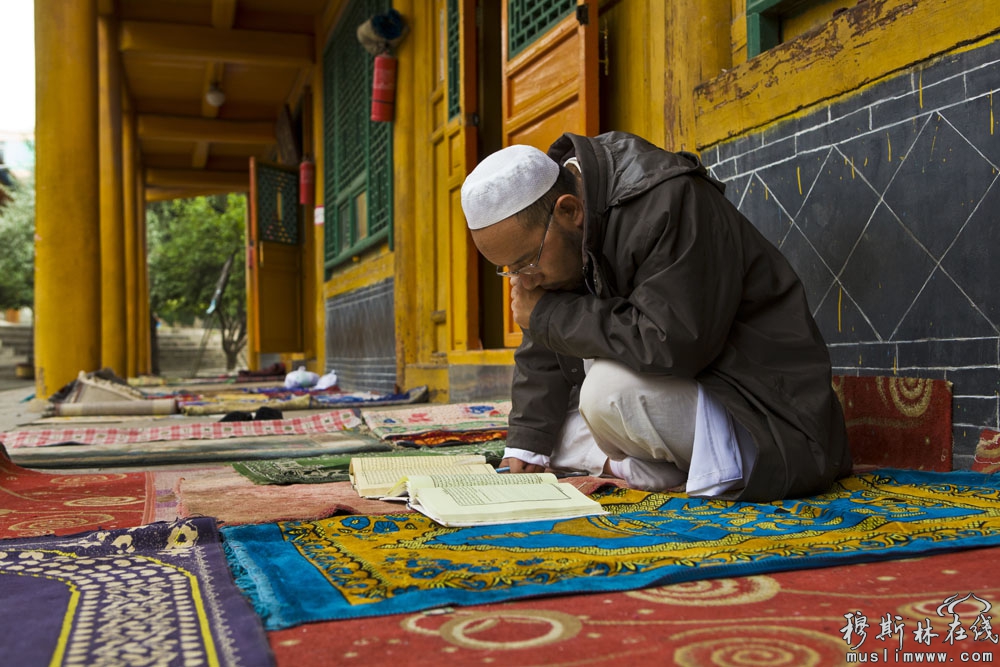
[189, 243]
[17, 260]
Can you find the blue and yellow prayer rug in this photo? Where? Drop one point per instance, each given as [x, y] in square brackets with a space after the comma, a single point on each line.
[355, 566]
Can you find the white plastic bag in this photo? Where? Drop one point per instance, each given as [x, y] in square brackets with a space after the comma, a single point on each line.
[300, 378]
[327, 381]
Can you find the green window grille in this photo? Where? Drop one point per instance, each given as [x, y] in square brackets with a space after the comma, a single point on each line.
[764, 19]
[277, 205]
[454, 66]
[358, 170]
[527, 20]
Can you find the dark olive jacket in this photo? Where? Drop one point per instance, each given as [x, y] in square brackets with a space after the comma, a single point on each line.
[679, 282]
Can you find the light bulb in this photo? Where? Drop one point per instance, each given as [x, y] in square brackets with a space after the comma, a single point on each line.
[215, 97]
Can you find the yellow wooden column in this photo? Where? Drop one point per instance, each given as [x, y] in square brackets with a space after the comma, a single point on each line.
[67, 227]
[142, 275]
[705, 23]
[130, 218]
[405, 191]
[113, 278]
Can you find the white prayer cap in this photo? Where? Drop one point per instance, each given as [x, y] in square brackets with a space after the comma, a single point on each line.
[506, 183]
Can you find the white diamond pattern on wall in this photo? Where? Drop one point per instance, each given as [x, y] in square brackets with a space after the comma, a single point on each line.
[887, 204]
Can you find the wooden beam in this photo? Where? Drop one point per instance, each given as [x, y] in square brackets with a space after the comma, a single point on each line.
[225, 181]
[223, 13]
[189, 128]
[301, 81]
[192, 42]
[199, 156]
[164, 194]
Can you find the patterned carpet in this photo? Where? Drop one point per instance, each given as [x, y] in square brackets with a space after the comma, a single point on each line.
[354, 566]
[155, 595]
[787, 619]
[438, 424]
[897, 421]
[34, 503]
[918, 602]
[336, 420]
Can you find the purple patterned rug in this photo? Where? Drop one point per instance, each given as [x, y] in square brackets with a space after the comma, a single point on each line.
[155, 595]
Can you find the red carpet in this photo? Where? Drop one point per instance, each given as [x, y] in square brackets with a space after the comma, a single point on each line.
[34, 503]
[233, 499]
[786, 619]
[326, 422]
[897, 422]
[987, 458]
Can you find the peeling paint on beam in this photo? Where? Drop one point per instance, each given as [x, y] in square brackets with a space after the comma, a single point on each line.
[859, 46]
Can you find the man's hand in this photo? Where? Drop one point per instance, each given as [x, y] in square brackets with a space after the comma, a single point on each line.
[523, 301]
[517, 465]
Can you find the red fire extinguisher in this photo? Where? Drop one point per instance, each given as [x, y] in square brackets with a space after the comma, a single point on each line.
[384, 88]
[307, 181]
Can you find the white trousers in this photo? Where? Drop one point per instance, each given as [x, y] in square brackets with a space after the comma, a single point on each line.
[644, 423]
[655, 431]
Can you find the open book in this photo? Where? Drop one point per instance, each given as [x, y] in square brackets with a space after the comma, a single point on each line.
[466, 491]
[474, 501]
[377, 476]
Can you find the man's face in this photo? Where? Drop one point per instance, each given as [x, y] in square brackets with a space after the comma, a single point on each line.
[510, 245]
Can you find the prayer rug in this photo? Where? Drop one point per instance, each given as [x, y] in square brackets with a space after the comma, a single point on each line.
[34, 503]
[161, 497]
[793, 618]
[436, 424]
[276, 370]
[233, 499]
[349, 567]
[987, 457]
[154, 595]
[281, 398]
[897, 421]
[323, 469]
[416, 395]
[197, 451]
[337, 420]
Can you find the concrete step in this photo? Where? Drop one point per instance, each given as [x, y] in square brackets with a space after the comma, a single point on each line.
[179, 349]
[17, 338]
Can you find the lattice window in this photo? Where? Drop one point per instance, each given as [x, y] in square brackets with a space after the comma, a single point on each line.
[771, 22]
[527, 20]
[277, 205]
[454, 64]
[358, 170]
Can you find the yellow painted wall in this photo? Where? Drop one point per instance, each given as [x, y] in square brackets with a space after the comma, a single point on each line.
[632, 68]
[856, 48]
[653, 55]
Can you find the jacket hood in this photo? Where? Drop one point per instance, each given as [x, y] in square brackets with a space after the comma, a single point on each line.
[618, 166]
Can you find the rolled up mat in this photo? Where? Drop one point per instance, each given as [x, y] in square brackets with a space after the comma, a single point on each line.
[154, 406]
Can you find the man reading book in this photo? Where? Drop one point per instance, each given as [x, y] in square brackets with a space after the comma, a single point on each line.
[666, 341]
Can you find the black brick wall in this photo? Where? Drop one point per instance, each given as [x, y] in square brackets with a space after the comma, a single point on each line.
[361, 338]
[887, 203]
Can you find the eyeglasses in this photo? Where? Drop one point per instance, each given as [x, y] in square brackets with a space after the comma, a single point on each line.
[532, 268]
